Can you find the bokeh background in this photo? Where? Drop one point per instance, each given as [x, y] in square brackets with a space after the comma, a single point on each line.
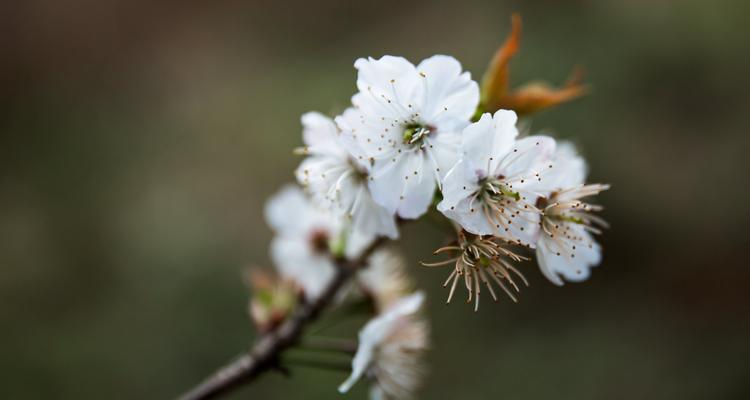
[141, 138]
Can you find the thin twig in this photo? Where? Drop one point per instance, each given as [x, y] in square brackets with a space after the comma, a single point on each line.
[264, 355]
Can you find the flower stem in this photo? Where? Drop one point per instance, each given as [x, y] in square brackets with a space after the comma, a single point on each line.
[265, 353]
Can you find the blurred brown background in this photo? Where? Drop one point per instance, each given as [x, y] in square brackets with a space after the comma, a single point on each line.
[141, 138]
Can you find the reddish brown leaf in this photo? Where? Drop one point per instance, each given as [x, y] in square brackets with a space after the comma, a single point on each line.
[496, 79]
[531, 97]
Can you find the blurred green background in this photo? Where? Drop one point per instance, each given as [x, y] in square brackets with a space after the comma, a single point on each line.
[141, 138]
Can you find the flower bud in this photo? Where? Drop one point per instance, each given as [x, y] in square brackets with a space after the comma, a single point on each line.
[272, 301]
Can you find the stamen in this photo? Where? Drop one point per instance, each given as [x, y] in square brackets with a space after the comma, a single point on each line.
[476, 258]
[565, 212]
[453, 286]
[439, 263]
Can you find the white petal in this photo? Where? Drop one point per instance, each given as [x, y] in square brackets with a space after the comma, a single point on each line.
[544, 257]
[572, 265]
[442, 151]
[289, 211]
[449, 94]
[361, 361]
[472, 221]
[349, 122]
[295, 260]
[386, 182]
[419, 190]
[390, 81]
[322, 175]
[487, 141]
[459, 183]
[320, 134]
[395, 185]
[367, 136]
[529, 156]
[569, 168]
[368, 216]
[406, 306]
[375, 331]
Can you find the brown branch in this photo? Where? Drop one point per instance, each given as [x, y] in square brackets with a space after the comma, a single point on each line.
[264, 355]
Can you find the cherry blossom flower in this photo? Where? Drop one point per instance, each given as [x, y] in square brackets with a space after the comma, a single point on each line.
[493, 188]
[566, 248]
[406, 121]
[390, 350]
[305, 236]
[336, 180]
[408, 141]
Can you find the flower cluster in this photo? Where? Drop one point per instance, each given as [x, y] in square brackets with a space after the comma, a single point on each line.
[412, 135]
[308, 242]
[420, 139]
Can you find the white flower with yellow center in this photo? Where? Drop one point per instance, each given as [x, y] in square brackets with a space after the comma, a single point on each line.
[407, 122]
[390, 350]
[493, 188]
[337, 180]
[566, 248]
[306, 236]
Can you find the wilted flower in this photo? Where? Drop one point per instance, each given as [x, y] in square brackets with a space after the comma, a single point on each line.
[476, 260]
[566, 247]
[306, 237]
[493, 188]
[272, 300]
[337, 180]
[407, 122]
[390, 350]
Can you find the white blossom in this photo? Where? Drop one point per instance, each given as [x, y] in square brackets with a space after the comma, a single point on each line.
[566, 248]
[493, 188]
[390, 350]
[304, 237]
[385, 279]
[406, 122]
[336, 180]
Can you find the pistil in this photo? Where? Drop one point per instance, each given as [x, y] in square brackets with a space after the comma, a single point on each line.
[415, 134]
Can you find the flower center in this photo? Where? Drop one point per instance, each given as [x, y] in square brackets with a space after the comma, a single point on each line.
[501, 205]
[416, 133]
[319, 241]
[357, 171]
[553, 210]
[495, 189]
